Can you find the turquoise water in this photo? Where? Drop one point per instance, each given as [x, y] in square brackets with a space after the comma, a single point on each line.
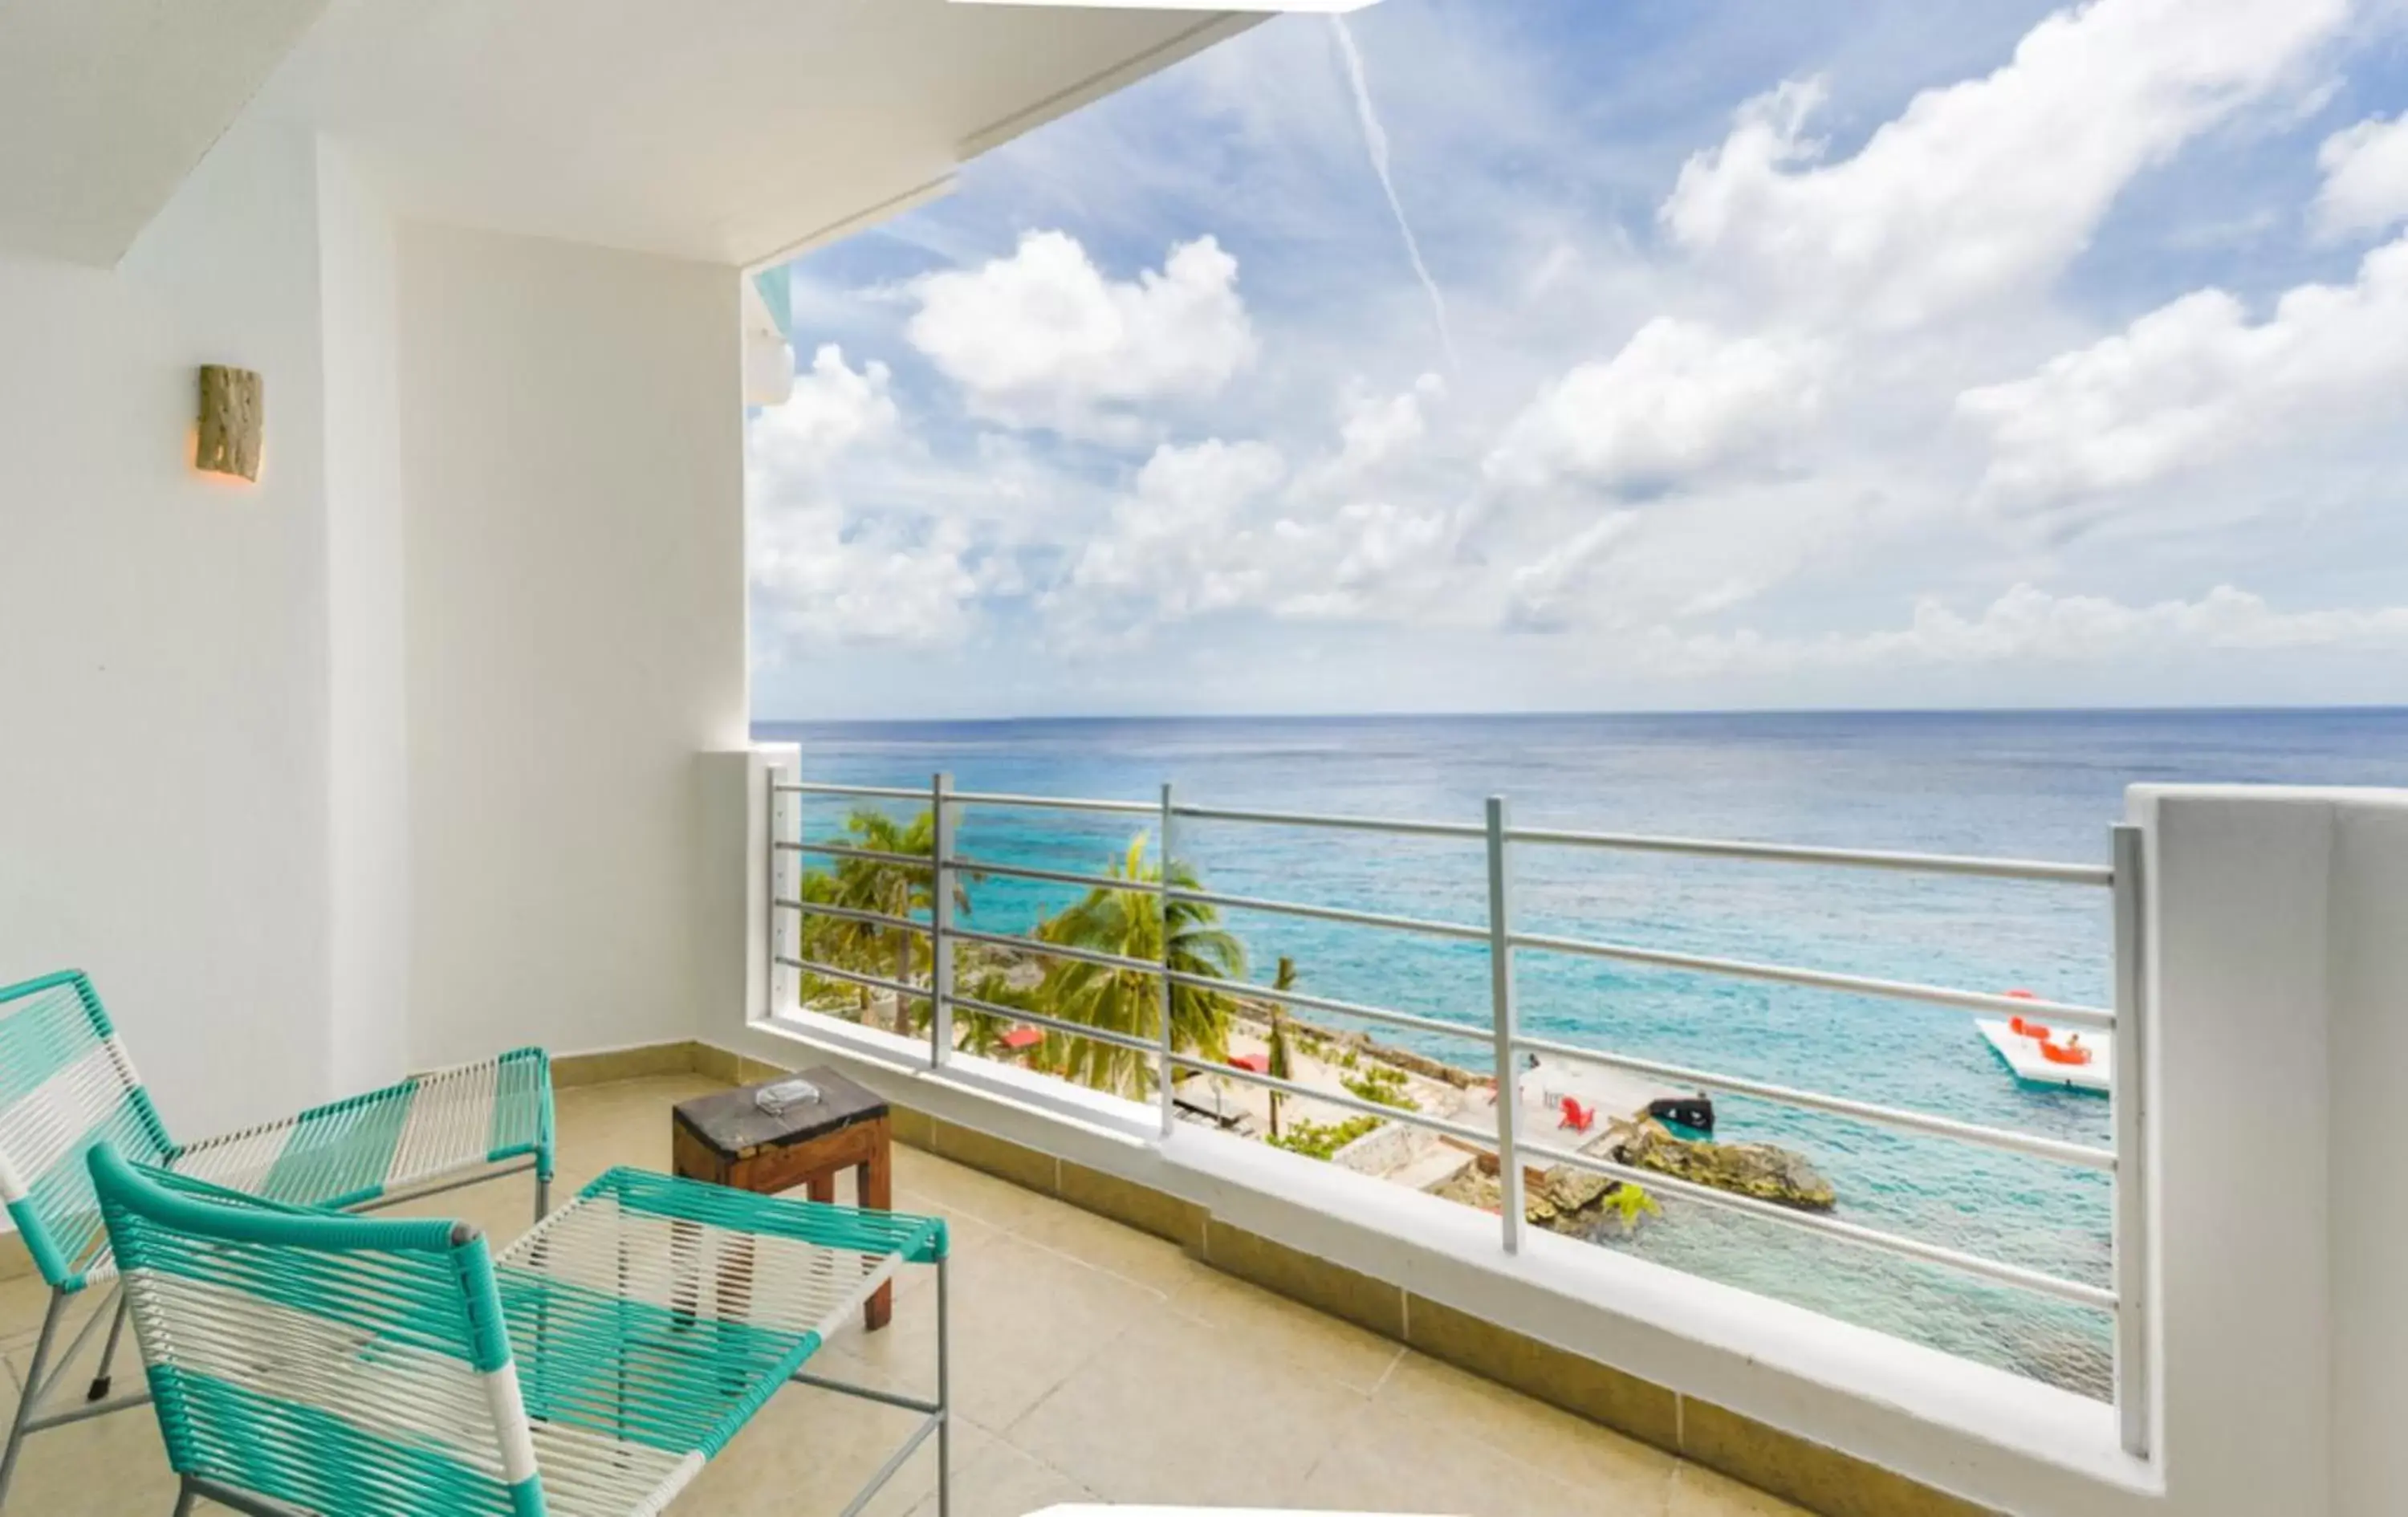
[2038, 785]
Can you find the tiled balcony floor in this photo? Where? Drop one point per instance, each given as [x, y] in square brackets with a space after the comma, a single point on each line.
[1090, 1363]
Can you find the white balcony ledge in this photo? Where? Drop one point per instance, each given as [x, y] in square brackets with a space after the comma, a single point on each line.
[1972, 1431]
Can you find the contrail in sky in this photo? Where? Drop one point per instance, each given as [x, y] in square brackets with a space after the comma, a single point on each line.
[1375, 138]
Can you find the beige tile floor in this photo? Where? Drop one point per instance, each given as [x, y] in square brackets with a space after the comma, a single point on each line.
[1090, 1363]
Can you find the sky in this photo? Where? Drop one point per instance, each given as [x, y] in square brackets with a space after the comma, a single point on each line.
[1476, 356]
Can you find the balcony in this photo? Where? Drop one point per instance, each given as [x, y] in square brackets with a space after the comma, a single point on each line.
[1094, 1362]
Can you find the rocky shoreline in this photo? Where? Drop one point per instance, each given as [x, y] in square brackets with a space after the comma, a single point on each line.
[1560, 1197]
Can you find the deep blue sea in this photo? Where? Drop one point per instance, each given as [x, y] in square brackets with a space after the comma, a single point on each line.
[2027, 785]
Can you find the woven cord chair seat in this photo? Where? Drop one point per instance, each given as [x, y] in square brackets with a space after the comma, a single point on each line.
[653, 1317]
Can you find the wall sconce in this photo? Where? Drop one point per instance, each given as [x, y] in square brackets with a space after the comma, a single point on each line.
[232, 418]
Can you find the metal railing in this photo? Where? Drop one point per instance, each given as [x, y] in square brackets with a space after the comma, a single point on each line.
[1507, 1044]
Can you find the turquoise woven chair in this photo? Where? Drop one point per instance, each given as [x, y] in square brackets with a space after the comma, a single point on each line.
[307, 1362]
[67, 1086]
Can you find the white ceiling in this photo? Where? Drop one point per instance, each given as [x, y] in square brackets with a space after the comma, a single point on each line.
[106, 105]
[730, 130]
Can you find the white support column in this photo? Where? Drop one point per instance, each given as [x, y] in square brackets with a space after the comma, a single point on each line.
[785, 885]
[1504, 1020]
[940, 919]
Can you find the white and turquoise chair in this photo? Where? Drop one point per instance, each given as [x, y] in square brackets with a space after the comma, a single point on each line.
[306, 1362]
[67, 1086]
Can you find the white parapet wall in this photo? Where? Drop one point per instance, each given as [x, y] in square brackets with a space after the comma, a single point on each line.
[2278, 931]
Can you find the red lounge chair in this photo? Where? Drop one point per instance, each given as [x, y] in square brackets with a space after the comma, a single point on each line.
[1259, 1064]
[1021, 1038]
[1578, 1118]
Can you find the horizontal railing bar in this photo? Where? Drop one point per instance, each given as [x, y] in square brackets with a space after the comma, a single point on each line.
[1058, 877]
[880, 792]
[1997, 1137]
[2047, 870]
[1972, 1263]
[1395, 825]
[1037, 1019]
[1038, 948]
[1053, 803]
[1331, 913]
[1484, 1136]
[850, 913]
[1323, 1003]
[853, 977]
[837, 850]
[1905, 990]
[1859, 858]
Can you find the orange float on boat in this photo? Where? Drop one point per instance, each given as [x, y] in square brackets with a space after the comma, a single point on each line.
[2064, 1052]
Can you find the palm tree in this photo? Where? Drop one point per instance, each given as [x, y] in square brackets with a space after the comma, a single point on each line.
[896, 890]
[1283, 1062]
[1129, 921]
[980, 1033]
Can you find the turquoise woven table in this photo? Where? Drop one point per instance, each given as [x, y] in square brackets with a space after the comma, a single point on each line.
[68, 1085]
[304, 1362]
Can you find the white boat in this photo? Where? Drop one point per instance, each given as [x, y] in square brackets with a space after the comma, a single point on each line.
[2026, 1050]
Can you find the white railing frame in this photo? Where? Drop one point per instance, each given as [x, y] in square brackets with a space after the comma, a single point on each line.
[2129, 1299]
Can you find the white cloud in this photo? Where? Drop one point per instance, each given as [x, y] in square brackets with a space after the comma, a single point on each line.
[1552, 593]
[1221, 526]
[2366, 178]
[832, 408]
[2027, 625]
[1990, 186]
[832, 581]
[1679, 399]
[825, 577]
[1374, 432]
[1043, 339]
[2193, 383]
[1180, 542]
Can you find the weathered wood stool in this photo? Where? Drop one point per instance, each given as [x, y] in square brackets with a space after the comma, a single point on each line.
[726, 1138]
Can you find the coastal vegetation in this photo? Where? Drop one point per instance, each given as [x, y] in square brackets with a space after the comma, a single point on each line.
[1130, 921]
[1320, 1139]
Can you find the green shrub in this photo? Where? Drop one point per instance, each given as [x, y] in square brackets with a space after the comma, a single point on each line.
[1383, 1085]
[1320, 1139]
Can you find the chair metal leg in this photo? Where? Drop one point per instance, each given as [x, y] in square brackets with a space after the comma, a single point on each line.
[944, 1404]
[184, 1494]
[34, 1387]
[542, 1196]
[99, 1391]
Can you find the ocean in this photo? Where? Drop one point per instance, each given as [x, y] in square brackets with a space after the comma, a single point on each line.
[2043, 785]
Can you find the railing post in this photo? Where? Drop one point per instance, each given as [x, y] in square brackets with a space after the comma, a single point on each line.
[1165, 1069]
[1503, 1016]
[2129, 1100]
[941, 922]
[785, 885]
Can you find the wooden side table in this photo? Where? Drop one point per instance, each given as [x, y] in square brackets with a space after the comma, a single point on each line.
[726, 1138]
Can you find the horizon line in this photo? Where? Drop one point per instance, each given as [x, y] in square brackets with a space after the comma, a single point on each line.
[1558, 714]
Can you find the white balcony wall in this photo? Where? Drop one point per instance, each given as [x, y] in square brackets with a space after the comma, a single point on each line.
[385, 760]
[573, 452]
[164, 737]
